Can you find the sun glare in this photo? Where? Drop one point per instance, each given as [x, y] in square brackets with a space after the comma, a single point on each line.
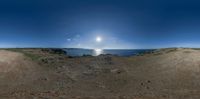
[98, 39]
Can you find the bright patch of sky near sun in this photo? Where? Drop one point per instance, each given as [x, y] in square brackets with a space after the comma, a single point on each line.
[96, 40]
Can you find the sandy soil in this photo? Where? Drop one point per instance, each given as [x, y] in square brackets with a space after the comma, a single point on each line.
[163, 74]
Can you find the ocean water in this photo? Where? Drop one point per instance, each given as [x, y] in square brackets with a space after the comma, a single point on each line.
[96, 52]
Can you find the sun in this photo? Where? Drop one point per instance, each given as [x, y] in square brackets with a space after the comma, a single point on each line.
[98, 39]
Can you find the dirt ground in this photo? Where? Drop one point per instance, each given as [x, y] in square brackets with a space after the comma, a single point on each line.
[172, 73]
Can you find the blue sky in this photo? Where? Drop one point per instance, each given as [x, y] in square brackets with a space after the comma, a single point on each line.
[120, 23]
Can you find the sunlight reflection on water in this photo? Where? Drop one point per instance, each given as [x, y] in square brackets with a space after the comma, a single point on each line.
[98, 52]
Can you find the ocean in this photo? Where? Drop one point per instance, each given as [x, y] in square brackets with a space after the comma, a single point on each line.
[96, 52]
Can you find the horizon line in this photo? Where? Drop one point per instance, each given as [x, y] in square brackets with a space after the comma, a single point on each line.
[88, 48]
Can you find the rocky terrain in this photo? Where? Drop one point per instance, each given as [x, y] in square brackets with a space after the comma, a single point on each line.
[172, 73]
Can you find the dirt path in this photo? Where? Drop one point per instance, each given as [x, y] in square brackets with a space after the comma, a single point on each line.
[16, 71]
[10, 61]
[14, 62]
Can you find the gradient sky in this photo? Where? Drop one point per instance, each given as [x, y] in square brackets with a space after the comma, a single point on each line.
[120, 23]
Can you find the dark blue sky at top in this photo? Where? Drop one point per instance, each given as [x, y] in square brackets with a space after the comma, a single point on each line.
[120, 23]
